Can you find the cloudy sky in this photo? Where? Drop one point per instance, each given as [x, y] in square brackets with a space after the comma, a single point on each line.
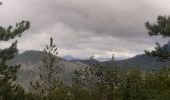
[83, 28]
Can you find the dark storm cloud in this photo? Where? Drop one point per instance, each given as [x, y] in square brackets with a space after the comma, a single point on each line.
[88, 27]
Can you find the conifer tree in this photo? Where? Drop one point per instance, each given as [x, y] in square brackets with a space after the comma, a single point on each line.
[49, 73]
[160, 28]
[8, 89]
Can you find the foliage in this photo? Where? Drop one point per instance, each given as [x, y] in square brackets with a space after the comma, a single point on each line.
[50, 87]
[9, 90]
[162, 28]
[96, 82]
[105, 82]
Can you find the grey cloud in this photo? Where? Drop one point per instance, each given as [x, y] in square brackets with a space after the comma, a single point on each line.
[78, 25]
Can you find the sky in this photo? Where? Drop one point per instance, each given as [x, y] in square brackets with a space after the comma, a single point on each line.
[83, 28]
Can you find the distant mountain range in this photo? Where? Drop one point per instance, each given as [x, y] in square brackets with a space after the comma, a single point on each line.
[142, 61]
[72, 58]
[30, 62]
[69, 57]
[146, 62]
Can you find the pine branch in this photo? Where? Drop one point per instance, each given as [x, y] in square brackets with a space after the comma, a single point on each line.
[10, 33]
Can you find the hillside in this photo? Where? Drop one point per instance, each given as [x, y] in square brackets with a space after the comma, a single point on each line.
[30, 62]
[144, 61]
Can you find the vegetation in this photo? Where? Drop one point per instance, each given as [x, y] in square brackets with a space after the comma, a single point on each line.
[96, 82]
[9, 90]
[102, 82]
[162, 28]
[105, 82]
[48, 87]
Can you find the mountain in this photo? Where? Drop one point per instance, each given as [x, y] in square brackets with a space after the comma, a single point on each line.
[144, 61]
[167, 46]
[87, 61]
[69, 57]
[28, 56]
[30, 62]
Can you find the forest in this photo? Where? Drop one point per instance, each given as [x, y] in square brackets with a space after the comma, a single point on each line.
[97, 81]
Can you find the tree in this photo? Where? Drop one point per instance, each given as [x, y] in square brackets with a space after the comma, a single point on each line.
[160, 28]
[100, 80]
[49, 73]
[9, 90]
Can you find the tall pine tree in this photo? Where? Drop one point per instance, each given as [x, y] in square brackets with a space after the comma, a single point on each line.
[49, 74]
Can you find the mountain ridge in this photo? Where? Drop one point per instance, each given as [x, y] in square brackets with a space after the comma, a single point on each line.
[31, 60]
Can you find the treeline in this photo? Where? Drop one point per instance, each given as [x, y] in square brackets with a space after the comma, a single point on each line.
[109, 82]
[98, 82]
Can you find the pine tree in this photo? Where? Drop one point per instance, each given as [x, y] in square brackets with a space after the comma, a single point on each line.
[160, 28]
[8, 89]
[49, 73]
